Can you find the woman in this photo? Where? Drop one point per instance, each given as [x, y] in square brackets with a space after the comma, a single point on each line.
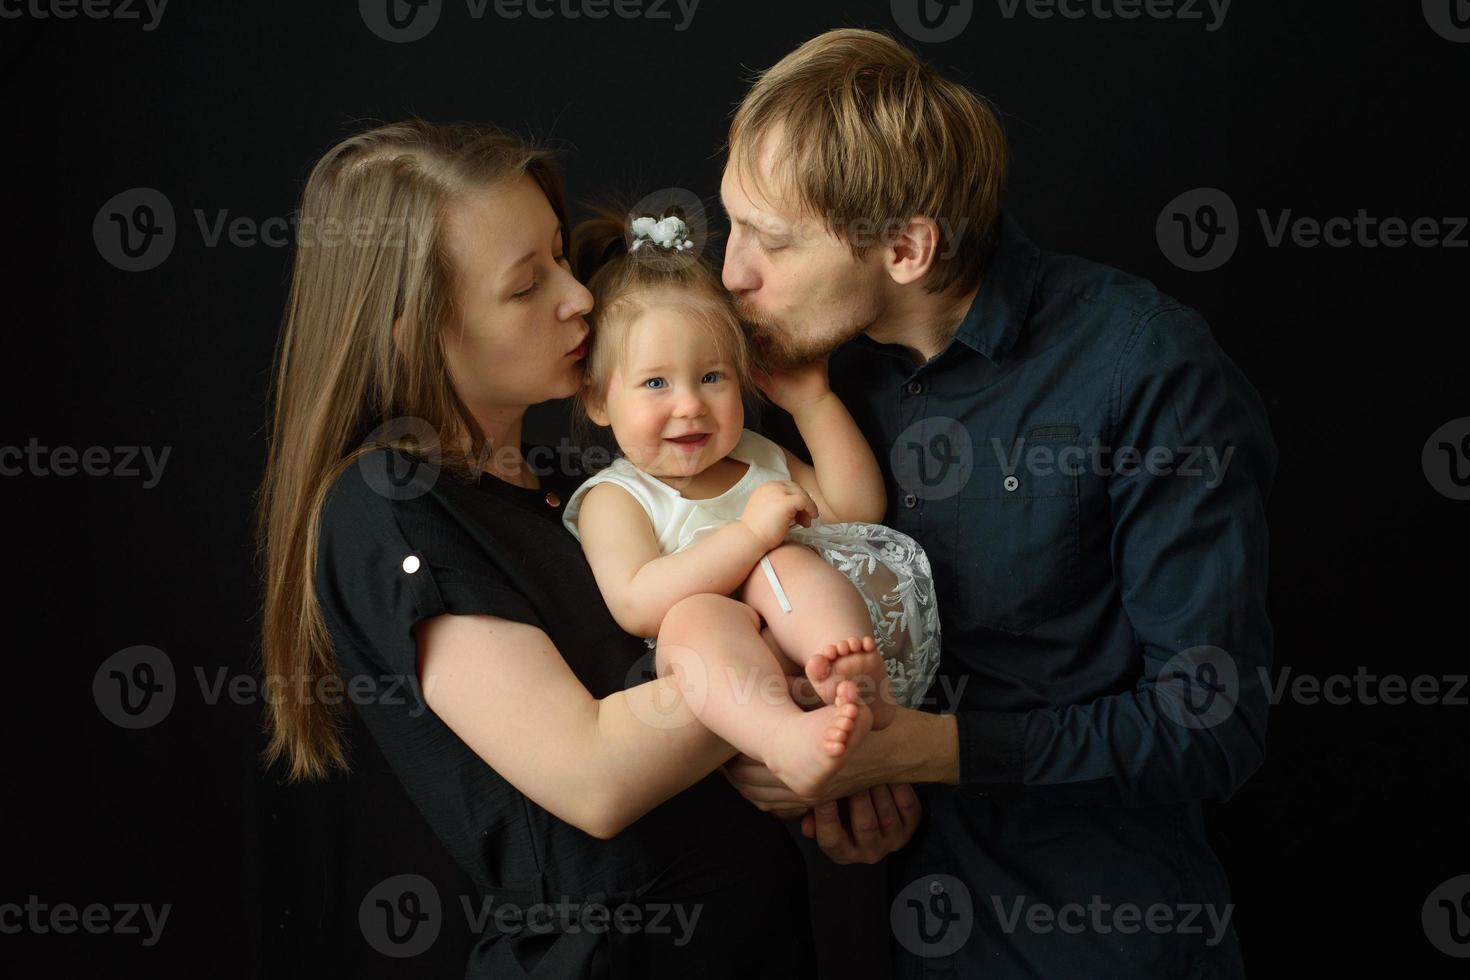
[431, 301]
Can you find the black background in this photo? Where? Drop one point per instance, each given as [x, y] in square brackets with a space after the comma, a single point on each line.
[1334, 845]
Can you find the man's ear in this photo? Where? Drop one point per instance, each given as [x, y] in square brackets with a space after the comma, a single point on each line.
[914, 250]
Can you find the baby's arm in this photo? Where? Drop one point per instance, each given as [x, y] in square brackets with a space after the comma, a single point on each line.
[640, 585]
[844, 478]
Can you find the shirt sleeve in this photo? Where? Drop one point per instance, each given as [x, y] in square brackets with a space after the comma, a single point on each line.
[1189, 553]
[384, 564]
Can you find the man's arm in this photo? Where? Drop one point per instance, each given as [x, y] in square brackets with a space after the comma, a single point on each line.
[1189, 552]
[917, 747]
[1190, 556]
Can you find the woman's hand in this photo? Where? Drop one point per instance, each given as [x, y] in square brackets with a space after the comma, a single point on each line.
[880, 820]
[795, 388]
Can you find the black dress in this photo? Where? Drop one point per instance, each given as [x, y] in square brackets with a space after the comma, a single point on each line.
[400, 542]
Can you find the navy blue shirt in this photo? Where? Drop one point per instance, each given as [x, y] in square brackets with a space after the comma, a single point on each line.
[1087, 471]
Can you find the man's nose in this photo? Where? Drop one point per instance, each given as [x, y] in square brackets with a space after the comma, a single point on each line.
[737, 275]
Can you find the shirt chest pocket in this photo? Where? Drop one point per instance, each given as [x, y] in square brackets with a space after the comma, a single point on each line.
[1016, 537]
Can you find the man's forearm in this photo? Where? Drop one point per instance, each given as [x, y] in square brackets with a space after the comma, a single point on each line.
[918, 747]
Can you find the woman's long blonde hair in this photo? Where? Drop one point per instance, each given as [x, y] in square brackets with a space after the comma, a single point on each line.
[369, 254]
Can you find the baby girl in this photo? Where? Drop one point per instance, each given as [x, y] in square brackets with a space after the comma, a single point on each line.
[697, 503]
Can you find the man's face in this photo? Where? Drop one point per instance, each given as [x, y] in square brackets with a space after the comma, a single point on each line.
[797, 284]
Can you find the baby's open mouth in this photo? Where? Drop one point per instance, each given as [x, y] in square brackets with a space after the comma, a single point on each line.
[692, 440]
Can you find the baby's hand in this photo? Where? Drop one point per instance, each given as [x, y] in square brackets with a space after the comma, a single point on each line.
[795, 388]
[772, 509]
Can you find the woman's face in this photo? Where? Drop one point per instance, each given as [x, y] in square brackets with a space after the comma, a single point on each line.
[521, 336]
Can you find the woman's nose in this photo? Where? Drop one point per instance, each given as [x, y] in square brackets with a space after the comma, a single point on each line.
[577, 301]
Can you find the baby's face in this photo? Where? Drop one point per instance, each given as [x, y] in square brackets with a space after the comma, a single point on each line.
[674, 403]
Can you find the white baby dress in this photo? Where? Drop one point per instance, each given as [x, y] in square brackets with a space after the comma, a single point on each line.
[887, 567]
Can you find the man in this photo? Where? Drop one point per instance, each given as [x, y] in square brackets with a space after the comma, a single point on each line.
[1087, 471]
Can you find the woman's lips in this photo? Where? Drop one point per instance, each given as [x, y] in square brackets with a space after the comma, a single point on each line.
[579, 351]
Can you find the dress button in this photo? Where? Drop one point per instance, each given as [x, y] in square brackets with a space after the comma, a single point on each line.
[552, 500]
[1012, 483]
[916, 387]
[910, 500]
[411, 564]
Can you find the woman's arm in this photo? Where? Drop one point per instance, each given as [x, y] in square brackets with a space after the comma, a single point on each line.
[640, 585]
[844, 477]
[503, 688]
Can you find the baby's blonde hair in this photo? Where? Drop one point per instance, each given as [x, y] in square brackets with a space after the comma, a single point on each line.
[624, 284]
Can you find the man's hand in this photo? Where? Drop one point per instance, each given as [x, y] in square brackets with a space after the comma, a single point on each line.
[918, 747]
[879, 821]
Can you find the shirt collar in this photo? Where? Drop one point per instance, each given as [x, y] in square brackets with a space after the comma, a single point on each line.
[999, 309]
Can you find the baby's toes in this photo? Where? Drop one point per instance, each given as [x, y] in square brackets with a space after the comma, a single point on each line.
[819, 667]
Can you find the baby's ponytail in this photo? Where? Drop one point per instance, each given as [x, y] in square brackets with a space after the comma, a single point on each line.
[599, 240]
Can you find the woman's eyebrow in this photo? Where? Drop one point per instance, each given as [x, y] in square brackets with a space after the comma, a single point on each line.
[519, 262]
[555, 237]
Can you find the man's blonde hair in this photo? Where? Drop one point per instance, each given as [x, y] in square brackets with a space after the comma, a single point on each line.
[872, 136]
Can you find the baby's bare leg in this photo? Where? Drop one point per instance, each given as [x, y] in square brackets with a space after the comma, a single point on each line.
[827, 631]
[735, 686]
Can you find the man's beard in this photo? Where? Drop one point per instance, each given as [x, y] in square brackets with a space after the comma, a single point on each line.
[777, 347]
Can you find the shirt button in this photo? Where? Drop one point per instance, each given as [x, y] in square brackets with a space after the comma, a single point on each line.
[411, 564]
[1011, 483]
[910, 500]
[915, 387]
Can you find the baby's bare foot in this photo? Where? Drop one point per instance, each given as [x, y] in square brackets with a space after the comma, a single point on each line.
[808, 749]
[855, 660]
[820, 668]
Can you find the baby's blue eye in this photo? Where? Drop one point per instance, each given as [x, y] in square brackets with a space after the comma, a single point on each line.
[712, 377]
[654, 383]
